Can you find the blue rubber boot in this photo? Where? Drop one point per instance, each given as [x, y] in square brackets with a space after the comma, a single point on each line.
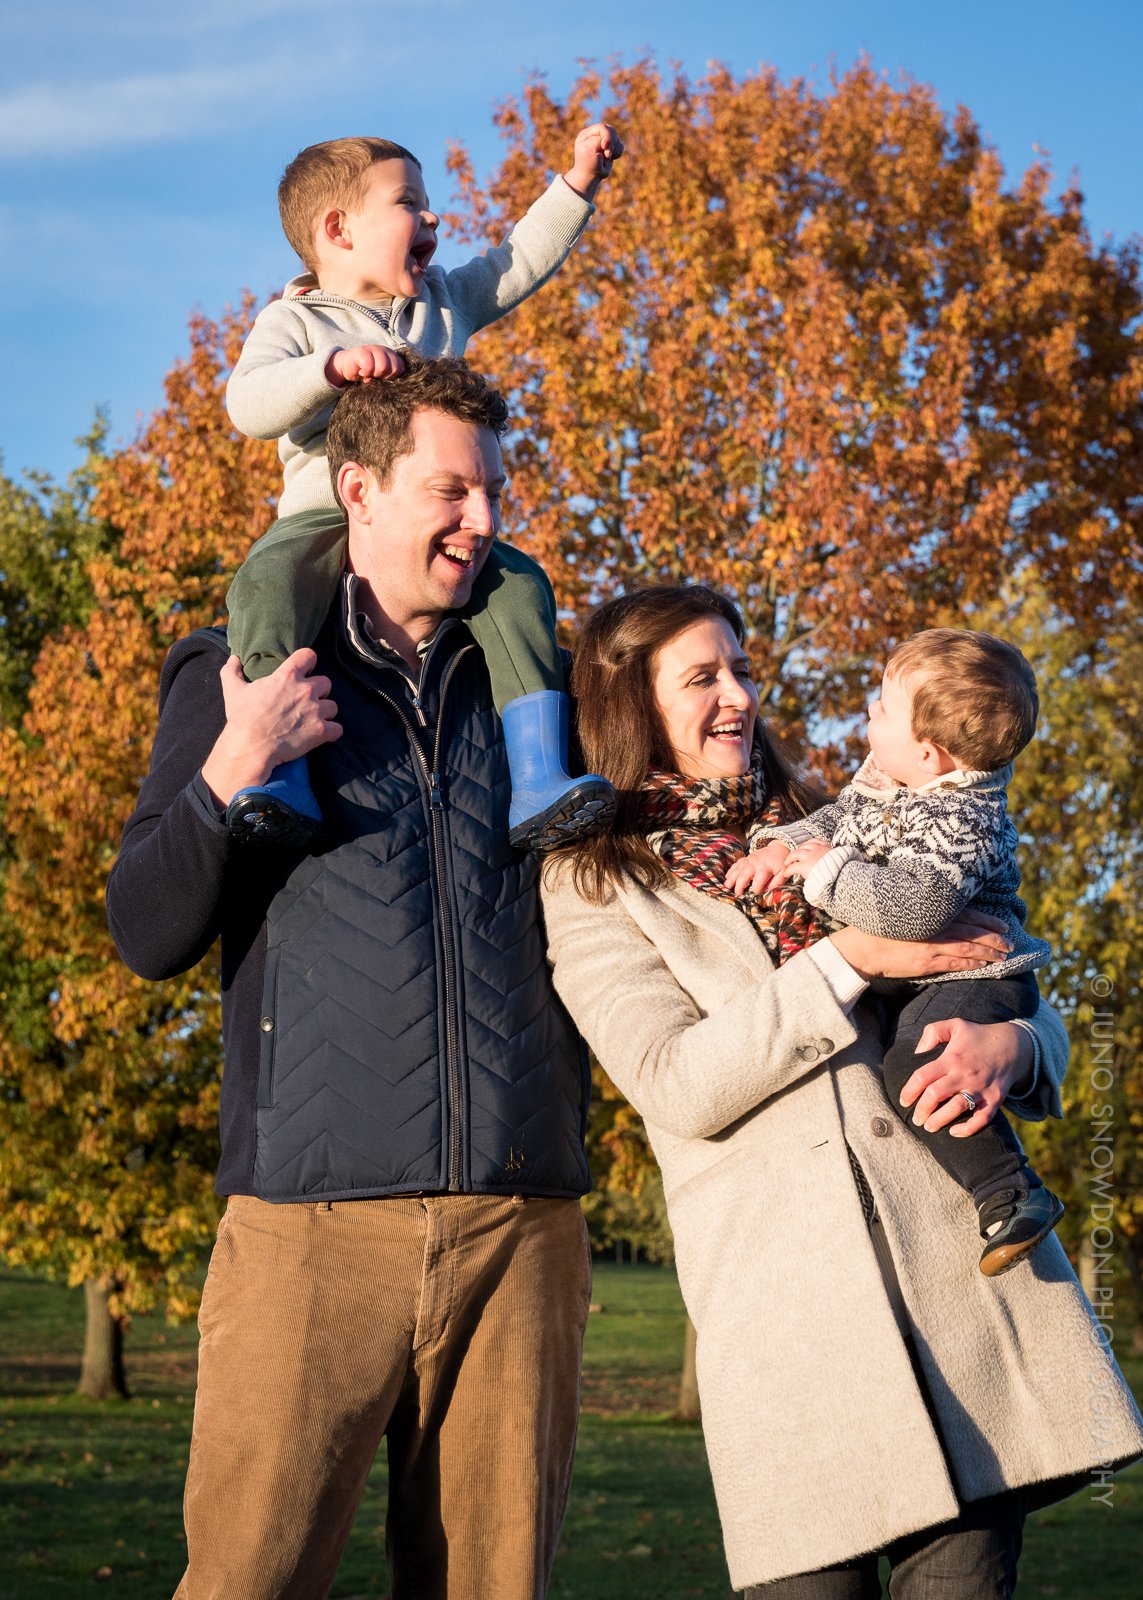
[281, 812]
[548, 807]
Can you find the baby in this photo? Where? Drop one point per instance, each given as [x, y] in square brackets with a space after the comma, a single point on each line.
[356, 212]
[920, 835]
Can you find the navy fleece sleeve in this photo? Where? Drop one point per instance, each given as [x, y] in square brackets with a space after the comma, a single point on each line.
[167, 889]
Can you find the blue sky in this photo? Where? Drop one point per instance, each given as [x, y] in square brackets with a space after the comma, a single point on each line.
[141, 144]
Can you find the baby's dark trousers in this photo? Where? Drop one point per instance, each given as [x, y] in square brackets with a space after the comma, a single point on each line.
[981, 1163]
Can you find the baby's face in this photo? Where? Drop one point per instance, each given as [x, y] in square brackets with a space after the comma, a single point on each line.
[393, 234]
[891, 734]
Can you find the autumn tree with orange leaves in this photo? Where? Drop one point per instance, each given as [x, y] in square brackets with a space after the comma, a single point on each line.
[813, 350]
[110, 1084]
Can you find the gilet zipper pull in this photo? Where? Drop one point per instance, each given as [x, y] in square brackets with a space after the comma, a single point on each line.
[436, 798]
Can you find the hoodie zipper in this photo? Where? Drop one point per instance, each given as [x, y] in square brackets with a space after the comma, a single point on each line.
[439, 858]
[323, 298]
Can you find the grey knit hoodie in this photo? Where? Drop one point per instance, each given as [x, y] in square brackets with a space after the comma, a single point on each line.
[279, 390]
[905, 862]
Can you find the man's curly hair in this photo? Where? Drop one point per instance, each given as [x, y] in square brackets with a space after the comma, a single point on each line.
[372, 423]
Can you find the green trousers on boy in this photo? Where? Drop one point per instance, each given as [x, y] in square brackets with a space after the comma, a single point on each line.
[282, 593]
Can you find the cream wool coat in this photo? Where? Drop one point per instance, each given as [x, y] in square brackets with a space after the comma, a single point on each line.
[751, 1081]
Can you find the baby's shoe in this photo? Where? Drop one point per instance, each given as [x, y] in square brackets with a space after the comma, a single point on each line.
[549, 807]
[1012, 1222]
[282, 812]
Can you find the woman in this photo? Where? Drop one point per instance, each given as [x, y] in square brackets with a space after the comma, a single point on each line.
[864, 1388]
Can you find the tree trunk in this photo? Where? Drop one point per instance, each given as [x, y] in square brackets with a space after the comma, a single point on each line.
[102, 1377]
[1085, 1267]
[1135, 1271]
[687, 1409]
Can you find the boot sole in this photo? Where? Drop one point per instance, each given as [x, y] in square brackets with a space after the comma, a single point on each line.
[267, 823]
[1007, 1256]
[577, 814]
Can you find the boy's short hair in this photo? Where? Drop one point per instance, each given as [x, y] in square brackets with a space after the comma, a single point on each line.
[973, 694]
[331, 174]
[372, 423]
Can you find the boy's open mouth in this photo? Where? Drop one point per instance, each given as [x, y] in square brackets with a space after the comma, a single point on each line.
[422, 254]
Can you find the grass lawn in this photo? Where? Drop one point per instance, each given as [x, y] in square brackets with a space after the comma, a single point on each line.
[90, 1493]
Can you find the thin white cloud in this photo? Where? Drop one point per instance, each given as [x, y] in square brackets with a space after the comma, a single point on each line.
[59, 119]
[139, 20]
[135, 24]
[319, 17]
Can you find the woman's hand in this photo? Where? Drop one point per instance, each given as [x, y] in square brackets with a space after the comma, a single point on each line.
[987, 1060]
[974, 940]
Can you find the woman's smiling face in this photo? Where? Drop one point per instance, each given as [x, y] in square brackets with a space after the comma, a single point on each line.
[702, 687]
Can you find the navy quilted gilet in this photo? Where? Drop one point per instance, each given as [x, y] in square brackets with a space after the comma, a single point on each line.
[411, 1039]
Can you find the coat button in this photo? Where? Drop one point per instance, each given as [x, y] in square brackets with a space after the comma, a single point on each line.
[807, 1052]
[882, 1127]
[825, 1046]
[267, 1024]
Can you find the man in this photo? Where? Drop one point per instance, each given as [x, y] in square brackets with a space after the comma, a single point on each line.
[402, 1253]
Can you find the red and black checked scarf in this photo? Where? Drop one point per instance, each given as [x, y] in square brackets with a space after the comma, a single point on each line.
[688, 819]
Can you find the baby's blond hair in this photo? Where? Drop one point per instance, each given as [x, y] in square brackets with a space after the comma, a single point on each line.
[973, 694]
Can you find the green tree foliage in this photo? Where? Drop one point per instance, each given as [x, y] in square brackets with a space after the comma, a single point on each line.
[1078, 799]
[47, 537]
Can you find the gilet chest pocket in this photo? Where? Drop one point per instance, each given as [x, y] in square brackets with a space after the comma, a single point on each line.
[268, 1030]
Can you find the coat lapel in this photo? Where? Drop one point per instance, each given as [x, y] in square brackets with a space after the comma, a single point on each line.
[720, 919]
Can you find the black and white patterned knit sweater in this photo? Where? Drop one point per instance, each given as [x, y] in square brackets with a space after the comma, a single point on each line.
[906, 862]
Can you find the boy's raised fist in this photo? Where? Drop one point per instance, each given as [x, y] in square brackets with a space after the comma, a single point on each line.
[597, 149]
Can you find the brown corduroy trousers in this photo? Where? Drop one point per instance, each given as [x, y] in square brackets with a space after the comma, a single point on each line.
[451, 1325]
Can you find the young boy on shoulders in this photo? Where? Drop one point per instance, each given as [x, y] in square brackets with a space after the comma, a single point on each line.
[357, 214]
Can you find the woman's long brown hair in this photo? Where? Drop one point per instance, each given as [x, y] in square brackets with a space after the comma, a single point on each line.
[622, 735]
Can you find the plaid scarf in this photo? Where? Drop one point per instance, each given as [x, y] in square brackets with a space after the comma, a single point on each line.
[687, 822]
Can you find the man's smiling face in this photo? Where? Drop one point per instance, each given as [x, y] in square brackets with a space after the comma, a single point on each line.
[432, 525]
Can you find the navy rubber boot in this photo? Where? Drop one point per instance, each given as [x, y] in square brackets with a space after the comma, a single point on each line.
[548, 807]
[282, 812]
[1013, 1222]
